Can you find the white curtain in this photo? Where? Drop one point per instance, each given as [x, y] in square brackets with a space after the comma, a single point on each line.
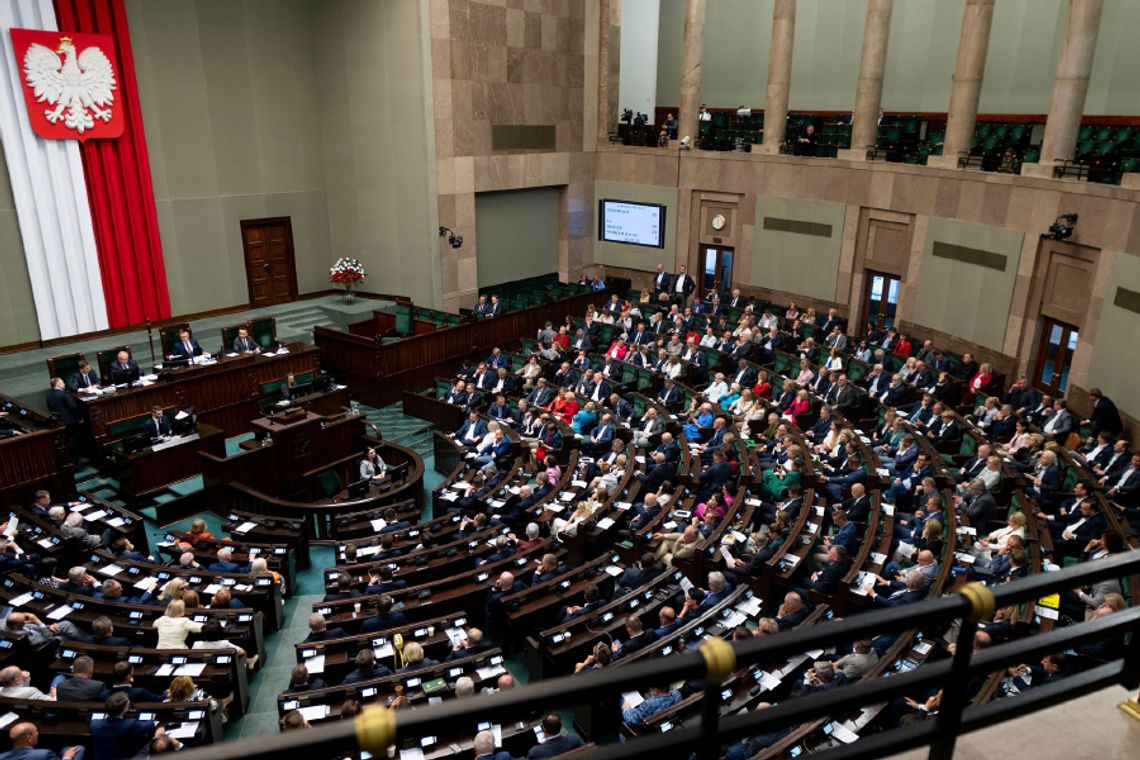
[50, 194]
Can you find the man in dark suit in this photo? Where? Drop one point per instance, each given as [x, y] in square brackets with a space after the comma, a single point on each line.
[641, 573]
[80, 687]
[661, 280]
[827, 579]
[86, 378]
[384, 617]
[319, 630]
[833, 320]
[978, 507]
[123, 674]
[185, 348]
[472, 431]
[553, 742]
[639, 638]
[156, 425]
[61, 403]
[682, 286]
[915, 591]
[124, 369]
[714, 477]
[24, 737]
[744, 375]
[485, 748]
[103, 633]
[843, 396]
[660, 471]
[1105, 416]
[120, 736]
[243, 344]
[669, 447]
[226, 564]
[669, 397]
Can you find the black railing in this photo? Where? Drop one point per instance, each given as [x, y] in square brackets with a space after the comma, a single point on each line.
[378, 727]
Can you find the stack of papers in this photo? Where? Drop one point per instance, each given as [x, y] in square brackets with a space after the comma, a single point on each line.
[111, 570]
[490, 671]
[185, 730]
[315, 664]
[315, 712]
[632, 698]
[245, 527]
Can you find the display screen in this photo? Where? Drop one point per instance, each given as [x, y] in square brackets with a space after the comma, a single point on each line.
[632, 223]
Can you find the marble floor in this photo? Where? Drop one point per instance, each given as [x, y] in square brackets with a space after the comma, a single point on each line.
[1089, 727]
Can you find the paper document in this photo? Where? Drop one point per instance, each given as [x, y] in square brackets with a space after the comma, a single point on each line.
[192, 669]
[185, 730]
[315, 712]
[245, 527]
[315, 664]
[60, 612]
[632, 698]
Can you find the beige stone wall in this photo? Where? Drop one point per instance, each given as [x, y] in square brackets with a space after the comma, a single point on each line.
[522, 62]
[1003, 212]
[233, 132]
[17, 310]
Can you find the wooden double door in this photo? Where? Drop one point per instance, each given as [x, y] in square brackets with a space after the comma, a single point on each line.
[270, 270]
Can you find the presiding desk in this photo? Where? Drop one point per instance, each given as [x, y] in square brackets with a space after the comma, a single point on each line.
[166, 461]
[224, 393]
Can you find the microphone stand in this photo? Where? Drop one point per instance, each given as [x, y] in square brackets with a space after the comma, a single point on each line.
[150, 339]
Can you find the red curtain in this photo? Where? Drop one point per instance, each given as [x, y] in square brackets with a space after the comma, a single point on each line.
[119, 184]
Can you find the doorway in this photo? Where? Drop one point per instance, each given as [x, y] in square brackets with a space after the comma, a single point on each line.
[1055, 356]
[881, 299]
[717, 269]
[271, 274]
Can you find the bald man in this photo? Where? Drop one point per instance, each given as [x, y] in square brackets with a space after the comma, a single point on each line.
[24, 737]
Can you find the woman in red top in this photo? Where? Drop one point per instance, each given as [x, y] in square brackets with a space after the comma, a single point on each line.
[618, 349]
[565, 406]
[562, 338]
[763, 388]
[902, 346]
[979, 383]
[800, 405]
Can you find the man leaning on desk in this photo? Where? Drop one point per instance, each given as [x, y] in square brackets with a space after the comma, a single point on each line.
[186, 348]
[157, 426]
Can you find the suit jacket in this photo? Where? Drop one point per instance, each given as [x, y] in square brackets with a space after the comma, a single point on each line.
[179, 351]
[113, 738]
[496, 450]
[79, 690]
[383, 622]
[980, 509]
[480, 430]
[244, 345]
[554, 746]
[1105, 417]
[61, 403]
[830, 576]
[746, 377]
[155, 428]
[688, 285]
[1062, 424]
[79, 380]
[661, 282]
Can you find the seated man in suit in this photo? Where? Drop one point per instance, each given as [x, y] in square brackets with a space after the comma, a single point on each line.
[319, 630]
[472, 431]
[103, 633]
[24, 737]
[792, 612]
[553, 742]
[485, 745]
[124, 369]
[639, 638]
[497, 447]
[186, 348]
[243, 344]
[118, 735]
[344, 589]
[366, 668]
[157, 426]
[123, 681]
[81, 686]
[86, 379]
[226, 564]
[384, 618]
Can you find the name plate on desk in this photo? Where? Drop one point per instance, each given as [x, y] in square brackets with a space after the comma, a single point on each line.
[166, 443]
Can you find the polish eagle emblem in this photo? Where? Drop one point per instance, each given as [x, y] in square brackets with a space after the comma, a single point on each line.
[77, 88]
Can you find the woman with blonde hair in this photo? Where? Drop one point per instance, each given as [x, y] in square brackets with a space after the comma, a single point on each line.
[190, 599]
[173, 590]
[806, 374]
[997, 541]
[260, 566]
[173, 627]
[183, 689]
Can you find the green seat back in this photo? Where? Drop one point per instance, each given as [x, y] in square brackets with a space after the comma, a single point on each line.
[403, 319]
[229, 334]
[330, 483]
[264, 331]
[127, 425]
[65, 366]
[104, 359]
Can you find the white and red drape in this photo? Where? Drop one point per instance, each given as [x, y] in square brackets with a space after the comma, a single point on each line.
[86, 210]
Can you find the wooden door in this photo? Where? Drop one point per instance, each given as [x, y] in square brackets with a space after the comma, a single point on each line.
[717, 269]
[880, 298]
[1055, 356]
[270, 273]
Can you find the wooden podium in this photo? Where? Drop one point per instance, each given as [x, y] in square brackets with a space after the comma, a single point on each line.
[306, 445]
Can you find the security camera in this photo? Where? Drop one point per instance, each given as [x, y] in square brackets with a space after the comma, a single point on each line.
[686, 143]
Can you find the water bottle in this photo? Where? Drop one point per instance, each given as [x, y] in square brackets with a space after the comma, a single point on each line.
[267, 440]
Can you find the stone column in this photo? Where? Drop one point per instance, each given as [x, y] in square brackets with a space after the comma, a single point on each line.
[779, 76]
[967, 87]
[869, 92]
[609, 59]
[692, 42]
[1070, 86]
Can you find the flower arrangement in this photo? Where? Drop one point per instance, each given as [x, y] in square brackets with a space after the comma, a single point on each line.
[347, 272]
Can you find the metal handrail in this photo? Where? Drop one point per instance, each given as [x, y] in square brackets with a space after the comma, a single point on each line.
[378, 727]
